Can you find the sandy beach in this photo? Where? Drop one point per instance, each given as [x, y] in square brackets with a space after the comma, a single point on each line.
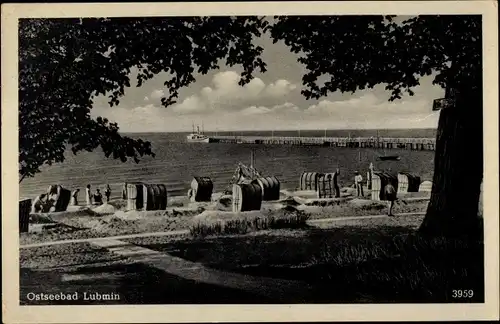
[80, 222]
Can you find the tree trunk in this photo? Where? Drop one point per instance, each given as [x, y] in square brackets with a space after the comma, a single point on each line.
[458, 170]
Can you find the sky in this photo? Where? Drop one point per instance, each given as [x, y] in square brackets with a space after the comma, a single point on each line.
[271, 101]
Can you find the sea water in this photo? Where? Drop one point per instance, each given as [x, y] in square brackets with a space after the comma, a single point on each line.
[177, 162]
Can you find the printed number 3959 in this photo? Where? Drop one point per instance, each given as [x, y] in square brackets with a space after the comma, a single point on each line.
[462, 293]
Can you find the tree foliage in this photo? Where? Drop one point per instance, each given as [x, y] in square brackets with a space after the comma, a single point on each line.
[358, 52]
[65, 63]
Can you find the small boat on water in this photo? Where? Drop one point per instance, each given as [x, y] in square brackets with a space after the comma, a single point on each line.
[389, 158]
[386, 157]
[197, 137]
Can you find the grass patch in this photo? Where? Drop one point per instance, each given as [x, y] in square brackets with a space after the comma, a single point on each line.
[64, 255]
[406, 268]
[243, 223]
[358, 263]
[369, 205]
[118, 204]
[363, 207]
[136, 283]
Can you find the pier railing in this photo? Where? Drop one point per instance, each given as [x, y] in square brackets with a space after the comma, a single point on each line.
[368, 142]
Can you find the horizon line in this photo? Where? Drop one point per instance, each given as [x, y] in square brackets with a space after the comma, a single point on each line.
[286, 130]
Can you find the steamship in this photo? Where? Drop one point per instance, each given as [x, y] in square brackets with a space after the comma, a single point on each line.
[197, 137]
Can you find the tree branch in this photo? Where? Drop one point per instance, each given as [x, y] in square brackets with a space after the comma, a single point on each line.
[24, 175]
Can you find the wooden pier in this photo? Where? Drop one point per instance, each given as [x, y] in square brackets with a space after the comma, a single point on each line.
[420, 144]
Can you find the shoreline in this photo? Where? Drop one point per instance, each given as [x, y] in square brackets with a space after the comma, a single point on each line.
[116, 186]
[177, 162]
[113, 219]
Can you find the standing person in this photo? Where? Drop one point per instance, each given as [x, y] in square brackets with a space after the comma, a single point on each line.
[369, 176]
[358, 181]
[107, 193]
[98, 197]
[74, 197]
[88, 195]
[390, 196]
[54, 192]
[38, 205]
[336, 183]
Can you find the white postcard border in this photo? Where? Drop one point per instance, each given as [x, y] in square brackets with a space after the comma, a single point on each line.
[13, 313]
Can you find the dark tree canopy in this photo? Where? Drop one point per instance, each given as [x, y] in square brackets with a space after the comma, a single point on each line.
[358, 52]
[65, 63]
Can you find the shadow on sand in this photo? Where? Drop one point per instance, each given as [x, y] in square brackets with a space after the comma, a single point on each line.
[389, 264]
[134, 283]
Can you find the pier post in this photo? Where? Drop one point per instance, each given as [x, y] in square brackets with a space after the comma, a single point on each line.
[369, 177]
[359, 142]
